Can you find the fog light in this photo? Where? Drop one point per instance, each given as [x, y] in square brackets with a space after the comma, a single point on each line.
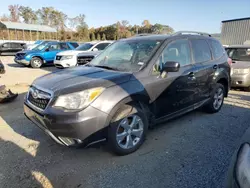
[242, 167]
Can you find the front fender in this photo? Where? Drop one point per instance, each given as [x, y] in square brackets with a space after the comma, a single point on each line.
[30, 56]
[113, 97]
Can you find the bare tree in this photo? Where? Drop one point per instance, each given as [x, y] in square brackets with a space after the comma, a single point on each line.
[14, 13]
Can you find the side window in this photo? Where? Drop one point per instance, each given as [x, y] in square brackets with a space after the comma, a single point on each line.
[178, 51]
[102, 46]
[201, 50]
[64, 46]
[15, 45]
[217, 48]
[6, 45]
[54, 47]
[74, 44]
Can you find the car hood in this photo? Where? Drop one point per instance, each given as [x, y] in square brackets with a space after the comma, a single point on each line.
[28, 51]
[92, 53]
[80, 78]
[241, 64]
[69, 52]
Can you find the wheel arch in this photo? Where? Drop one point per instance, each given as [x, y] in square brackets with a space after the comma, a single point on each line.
[225, 83]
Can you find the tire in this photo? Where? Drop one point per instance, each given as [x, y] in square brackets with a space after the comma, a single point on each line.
[125, 138]
[36, 62]
[217, 95]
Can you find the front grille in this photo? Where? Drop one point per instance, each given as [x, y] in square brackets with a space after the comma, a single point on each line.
[84, 60]
[38, 98]
[20, 55]
[58, 57]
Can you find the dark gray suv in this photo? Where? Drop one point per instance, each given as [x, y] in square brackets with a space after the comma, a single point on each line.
[132, 85]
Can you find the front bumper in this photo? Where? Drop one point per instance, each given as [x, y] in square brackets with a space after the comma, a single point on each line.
[22, 61]
[65, 63]
[238, 80]
[77, 126]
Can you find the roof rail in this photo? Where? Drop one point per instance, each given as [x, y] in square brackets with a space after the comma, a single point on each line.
[142, 34]
[191, 32]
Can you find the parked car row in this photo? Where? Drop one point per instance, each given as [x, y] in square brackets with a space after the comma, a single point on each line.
[132, 85]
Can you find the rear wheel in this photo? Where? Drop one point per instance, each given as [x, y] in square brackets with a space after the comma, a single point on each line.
[127, 130]
[36, 62]
[217, 99]
[247, 89]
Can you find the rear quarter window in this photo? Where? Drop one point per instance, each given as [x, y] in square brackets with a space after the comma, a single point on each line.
[217, 49]
[201, 50]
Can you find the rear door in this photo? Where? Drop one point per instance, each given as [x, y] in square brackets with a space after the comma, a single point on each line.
[203, 63]
[173, 91]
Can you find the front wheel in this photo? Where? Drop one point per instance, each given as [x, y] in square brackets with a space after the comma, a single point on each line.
[217, 99]
[127, 130]
[36, 62]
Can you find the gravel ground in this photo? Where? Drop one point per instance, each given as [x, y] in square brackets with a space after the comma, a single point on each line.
[191, 151]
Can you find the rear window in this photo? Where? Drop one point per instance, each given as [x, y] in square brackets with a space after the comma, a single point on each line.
[201, 50]
[75, 45]
[239, 54]
[217, 48]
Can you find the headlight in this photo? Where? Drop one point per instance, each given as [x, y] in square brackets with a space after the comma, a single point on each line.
[241, 71]
[78, 100]
[242, 167]
[67, 57]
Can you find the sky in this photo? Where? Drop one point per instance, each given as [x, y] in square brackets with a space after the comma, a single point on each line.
[195, 15]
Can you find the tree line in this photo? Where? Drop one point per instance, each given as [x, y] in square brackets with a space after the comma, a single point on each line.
[75, 28]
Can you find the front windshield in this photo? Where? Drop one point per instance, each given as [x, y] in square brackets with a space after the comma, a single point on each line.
[38, 42]
[239, 54]
[84, 47]
[40, 46]
[127, 55]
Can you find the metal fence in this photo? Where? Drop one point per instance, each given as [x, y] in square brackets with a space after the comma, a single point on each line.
[235, 31]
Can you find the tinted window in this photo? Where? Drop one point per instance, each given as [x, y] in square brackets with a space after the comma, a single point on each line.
[6, 45]
[178, 51]
[75, 45]
[102, 46]
[54, 47]
[84, 47]
[239, 54]
[217, 48]
[15, 45]
[201, 50]
[64, 46]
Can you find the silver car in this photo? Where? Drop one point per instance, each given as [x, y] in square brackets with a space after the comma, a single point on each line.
[240, 56]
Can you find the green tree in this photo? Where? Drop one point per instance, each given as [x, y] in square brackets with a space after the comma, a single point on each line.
[92, 36]
[98, 36]
[103, 36]
[29, 16]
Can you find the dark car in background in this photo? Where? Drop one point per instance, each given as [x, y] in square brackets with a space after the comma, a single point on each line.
[133, 84]
[240, 55]
[11, 48]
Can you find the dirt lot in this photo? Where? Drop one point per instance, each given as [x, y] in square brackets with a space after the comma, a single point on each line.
[191, 151]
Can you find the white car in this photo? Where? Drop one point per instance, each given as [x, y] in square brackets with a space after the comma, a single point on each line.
[69, 58]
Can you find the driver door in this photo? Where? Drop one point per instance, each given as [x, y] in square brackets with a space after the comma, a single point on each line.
[174, 91]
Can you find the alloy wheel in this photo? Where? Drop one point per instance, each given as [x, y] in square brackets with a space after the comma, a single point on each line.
[129, 131]
[218, 98]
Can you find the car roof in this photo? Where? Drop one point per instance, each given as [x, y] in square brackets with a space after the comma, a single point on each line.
[238, 46]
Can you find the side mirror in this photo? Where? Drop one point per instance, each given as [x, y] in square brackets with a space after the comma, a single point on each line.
[95, 50]
[46, 50]
[171, 66]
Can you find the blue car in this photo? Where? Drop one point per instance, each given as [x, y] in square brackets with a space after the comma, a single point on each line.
[43, 53]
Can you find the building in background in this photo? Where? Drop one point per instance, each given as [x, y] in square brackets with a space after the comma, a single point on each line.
[26, 32]
[236, 31]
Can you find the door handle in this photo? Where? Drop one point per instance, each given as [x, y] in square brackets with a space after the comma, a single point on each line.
[215, 67]
[191, 76]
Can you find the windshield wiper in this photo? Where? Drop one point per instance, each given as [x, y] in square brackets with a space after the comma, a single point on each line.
[106, 67]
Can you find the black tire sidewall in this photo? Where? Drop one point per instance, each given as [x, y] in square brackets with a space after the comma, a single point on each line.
[113, 129]
[32, 64]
